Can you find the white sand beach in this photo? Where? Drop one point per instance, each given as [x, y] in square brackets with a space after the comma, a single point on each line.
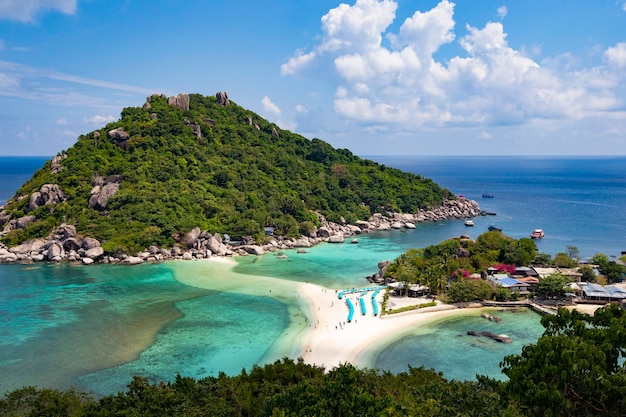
[332, 340]
[325, 338]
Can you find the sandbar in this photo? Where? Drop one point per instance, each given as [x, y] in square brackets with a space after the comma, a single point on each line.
[333, 341]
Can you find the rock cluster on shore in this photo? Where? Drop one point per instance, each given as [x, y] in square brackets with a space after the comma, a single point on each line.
[64, 244]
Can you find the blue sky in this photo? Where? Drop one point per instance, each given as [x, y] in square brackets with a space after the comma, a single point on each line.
[379, 77]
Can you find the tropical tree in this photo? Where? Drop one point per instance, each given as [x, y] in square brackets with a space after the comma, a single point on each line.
[554, 285]
[543, 259]
[563, 260]
[613, 271]
[572, 252]
[519, 252]
[466, 289]
[575, 369]
[587, 273]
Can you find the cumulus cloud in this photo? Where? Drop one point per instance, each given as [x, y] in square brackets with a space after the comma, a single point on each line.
[616, 55]
[269, 106]
[27, 10]
[99, 120]
[401, 83]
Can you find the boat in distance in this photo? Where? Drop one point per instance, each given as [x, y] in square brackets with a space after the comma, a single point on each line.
[537, 234]
[469, 222]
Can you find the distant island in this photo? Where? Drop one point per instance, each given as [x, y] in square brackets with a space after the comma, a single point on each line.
[191, 176]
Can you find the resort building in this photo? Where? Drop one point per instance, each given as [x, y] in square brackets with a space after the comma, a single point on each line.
[571, 273]
[608, 293]
[510, 284]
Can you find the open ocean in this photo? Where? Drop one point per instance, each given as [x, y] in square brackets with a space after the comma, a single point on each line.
[94, 327]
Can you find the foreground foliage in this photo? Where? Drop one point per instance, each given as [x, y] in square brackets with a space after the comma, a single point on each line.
[235, 178]
[575, 369]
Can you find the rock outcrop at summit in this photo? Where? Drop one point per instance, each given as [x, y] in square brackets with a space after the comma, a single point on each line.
[181, 101]
[222, 98]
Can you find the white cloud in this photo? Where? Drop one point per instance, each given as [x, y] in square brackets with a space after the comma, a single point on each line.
[99, 120]
[502, 11]
[269, 106]
[616, 55]
[301, 109]
[62, 122]
[358, 27]
[489, 84]
[26, 10]
[427, 32]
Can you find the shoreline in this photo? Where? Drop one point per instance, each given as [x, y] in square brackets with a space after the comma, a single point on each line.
[330, 344]
[318, 337]
[323, 337]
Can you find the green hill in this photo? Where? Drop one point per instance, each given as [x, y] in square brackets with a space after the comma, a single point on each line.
[195, 161]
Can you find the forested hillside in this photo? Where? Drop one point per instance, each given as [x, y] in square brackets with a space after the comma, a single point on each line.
[165, 168]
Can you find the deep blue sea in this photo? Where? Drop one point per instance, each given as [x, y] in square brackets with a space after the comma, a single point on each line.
[94, 327]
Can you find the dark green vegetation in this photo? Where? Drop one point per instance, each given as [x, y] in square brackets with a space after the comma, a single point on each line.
[234, 179]
[575, 369]
[457, 259]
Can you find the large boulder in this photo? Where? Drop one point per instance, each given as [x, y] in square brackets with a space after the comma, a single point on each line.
[222, 98]
[22, 222]
[181, 101]
[253, 249]
[191, 237]
[90, 243]
[119, 137]
[323, 232]
[132, 260]
[94, 253]
[65, 231]
[47, 194]
[100, 198]
[55, 252]
[72, 244]
[28, 247]
[215, 246]
[336, 239]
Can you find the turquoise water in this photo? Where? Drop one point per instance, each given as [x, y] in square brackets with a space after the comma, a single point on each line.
[94, 327]
[446, 346]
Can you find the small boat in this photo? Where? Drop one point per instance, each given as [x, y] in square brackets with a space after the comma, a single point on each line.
[493, 228]
[355, 240]
[469, 222]
[537, 234]
[487, 195]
